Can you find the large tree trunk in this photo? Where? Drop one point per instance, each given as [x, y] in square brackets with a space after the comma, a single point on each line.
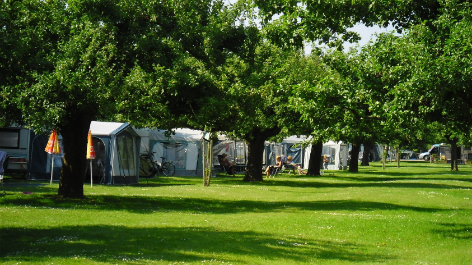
[366, 154]
[384, 156]
[254, 160]
[354, 164]
[398, 154]
[314, 166]
[454, 150]
[255, 142]
[207, 158]
[74, 139]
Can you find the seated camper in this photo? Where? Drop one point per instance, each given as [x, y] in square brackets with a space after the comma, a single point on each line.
[290, 165]
[272, 170]
[227, 166]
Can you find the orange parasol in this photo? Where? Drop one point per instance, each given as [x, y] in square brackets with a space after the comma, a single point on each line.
[53, 148]
[90, 154]
[90, 149]
[53, 144]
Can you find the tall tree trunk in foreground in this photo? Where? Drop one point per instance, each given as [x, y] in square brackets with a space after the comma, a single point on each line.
[454, 150]
[254, 160]
[255, 142]
[207, 158]
[314, 166]
[366, 154]
[354, 164]
[74, 139]
[384, 156]
[397, 151]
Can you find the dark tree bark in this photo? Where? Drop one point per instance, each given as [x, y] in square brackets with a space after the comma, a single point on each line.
[255, 142]
[254, 160]
[454, 151]
[314, 165]
[366, 154]
[353, 164]
[384, 156]
[397, 151]
[74, 138]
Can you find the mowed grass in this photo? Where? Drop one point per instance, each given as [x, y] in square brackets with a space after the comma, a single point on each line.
[420, 213]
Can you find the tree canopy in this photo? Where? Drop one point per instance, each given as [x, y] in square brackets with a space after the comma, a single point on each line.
[76, 61]
[209, 65]
[426, 73]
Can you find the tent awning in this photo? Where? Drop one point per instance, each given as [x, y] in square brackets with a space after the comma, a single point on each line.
[106, 128]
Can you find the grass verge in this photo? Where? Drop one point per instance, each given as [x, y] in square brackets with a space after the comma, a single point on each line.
[417, 214]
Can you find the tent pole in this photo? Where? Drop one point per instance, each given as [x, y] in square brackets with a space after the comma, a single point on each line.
[91, 185]
[52, 169]
[204, 161]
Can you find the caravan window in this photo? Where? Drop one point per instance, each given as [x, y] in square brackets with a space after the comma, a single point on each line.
[9, 138]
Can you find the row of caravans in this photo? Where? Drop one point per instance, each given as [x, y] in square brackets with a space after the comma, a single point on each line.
[119, 146]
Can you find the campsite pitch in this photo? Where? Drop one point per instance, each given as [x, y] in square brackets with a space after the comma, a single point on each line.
[420, 213]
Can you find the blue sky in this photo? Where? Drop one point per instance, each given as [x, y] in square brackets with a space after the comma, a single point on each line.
[368, 32]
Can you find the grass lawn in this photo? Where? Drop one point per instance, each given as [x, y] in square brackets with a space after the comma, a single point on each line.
[420, 213]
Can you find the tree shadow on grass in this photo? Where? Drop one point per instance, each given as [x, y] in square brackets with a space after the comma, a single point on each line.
[397, 176]
[357, 183]
[173, 244]
[157, 185]
[152, 204]
[455, 230]
[406, 163]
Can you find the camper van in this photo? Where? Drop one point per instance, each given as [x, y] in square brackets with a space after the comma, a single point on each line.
[433, 150]
[16, 141]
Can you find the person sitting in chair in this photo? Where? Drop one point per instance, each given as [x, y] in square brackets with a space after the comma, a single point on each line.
[229, 166]
[294, 166]
[284, 159]
[278, 165]
[325, 162]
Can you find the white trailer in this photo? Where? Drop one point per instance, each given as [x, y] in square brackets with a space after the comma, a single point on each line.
[16, 142]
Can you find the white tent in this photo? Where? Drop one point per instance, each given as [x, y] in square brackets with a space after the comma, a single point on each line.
[337, 153]
[182, 148]
[290, 146]
[117, 152]
[117, 155]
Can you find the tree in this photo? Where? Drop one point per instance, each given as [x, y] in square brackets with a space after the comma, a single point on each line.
[20, 52]
[358, 89]
[429, 70]
[83, 60]
[257, 100]
[327, 22]
[313, 99]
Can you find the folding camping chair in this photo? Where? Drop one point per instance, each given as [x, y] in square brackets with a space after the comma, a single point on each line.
[286, 168]
[275, 170]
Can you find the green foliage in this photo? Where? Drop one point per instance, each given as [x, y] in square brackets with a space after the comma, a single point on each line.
[426, 71]
[257, 99]
[313, 88]
[358, 90]
[290, 22]
[151, 63]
